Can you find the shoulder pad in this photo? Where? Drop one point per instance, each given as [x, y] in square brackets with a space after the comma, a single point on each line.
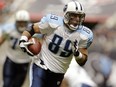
[53, 20]
[85, 31]
[86, 35]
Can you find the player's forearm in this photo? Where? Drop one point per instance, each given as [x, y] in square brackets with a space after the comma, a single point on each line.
[27, 34]
[81, 61]
[3, 38]
[81, 58]
[31, 30]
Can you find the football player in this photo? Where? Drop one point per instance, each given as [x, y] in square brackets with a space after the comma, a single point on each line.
[64, 37]
[17, 62]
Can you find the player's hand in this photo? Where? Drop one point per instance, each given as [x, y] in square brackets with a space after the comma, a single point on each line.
[23, 45]
[75, 48]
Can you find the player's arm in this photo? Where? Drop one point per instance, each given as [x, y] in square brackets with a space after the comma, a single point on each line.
[81, 56]
[3, 37]
[81, 49]
[26, 35]
[31, 30]
[1, 40]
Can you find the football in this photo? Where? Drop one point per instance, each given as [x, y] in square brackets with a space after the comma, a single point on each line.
[36, 47]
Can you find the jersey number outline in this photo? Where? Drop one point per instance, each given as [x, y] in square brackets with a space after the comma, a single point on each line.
[54, 46]
[54, 17]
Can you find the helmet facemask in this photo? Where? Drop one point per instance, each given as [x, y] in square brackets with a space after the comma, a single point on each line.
[73, 15]
[21, 25]
[74, 20]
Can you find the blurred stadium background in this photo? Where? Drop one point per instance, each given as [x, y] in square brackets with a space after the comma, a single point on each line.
[100, 17]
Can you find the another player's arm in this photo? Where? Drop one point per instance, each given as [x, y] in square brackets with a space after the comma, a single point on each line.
[82, 56]
[1, 40]
[3, 37]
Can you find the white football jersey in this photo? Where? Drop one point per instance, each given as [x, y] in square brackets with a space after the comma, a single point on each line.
[13, 51]
[56, 52]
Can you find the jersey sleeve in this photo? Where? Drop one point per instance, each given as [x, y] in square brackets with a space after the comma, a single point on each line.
[86, 36]
[8, 28]
[49, 23]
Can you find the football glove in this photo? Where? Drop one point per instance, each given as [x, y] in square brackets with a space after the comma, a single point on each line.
[75, 48]
[23, 43]
[76, 52]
